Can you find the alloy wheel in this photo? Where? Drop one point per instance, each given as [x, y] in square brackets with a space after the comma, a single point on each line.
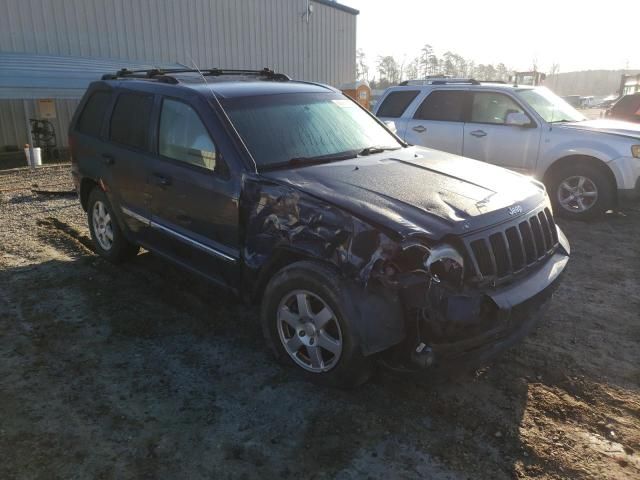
[309, 331]
[102, 226]
[577, 194]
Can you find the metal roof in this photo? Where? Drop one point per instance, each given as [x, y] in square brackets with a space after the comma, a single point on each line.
[339, 6]
[26, 75]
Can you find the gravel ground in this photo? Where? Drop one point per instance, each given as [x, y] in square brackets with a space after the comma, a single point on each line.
[144, 371]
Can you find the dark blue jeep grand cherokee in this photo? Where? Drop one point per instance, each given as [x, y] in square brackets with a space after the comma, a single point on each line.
[357, 245]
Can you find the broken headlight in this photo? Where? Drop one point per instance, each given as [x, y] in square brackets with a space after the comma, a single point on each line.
[445, 264]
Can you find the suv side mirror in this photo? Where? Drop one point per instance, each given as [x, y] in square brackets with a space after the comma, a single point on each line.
[391, 125]
[517, 119]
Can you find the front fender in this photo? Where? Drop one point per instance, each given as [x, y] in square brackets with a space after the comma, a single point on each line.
[284, 225]
[558, 144]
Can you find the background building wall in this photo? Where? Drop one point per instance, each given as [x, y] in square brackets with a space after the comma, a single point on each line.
[590, 82]
[211, 33]
[15, 115]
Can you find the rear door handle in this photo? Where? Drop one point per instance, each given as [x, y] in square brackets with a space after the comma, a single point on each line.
[161, 180]
[108, 159]
[419, 129]
[479, 133]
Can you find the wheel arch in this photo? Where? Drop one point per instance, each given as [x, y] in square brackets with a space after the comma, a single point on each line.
[377, 321]
[280, 258]
[86, 185]
[565, 161]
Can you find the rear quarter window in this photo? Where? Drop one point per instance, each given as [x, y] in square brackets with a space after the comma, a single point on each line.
[92, 115]
[130, 120]
[396, 103]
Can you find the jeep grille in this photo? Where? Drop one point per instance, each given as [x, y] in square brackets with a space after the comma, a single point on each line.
[497, 255]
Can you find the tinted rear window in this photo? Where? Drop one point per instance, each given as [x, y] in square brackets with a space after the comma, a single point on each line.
[442, 105]
[130, 120]
[90, 121]
[396, 103]
[627, 105]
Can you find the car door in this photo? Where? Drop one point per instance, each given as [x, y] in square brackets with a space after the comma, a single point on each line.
[438, 121]
[195, 199]
[86, 135]
[487, 136]
[127, 157]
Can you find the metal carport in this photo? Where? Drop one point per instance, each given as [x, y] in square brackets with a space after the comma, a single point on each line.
[27, 78]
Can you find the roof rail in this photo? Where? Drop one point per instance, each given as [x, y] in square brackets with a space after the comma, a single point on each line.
[440, 81]
[164, 75]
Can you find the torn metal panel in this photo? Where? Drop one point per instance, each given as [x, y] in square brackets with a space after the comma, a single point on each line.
[281, 218]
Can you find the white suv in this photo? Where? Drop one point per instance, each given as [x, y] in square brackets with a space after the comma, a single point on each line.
[587, 165]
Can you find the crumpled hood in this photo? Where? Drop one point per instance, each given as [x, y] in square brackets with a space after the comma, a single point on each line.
[419, 190]
[612, 127]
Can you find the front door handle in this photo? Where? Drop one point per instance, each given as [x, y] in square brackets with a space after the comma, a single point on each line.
[479, 133]
[108, 159]
[419, 129]
[161, 180]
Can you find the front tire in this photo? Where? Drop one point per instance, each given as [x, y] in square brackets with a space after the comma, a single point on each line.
[305, 318]
[108, 240]
[581, 192]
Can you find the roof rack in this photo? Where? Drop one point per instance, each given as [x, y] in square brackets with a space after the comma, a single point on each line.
[164, 75]
[441, 81]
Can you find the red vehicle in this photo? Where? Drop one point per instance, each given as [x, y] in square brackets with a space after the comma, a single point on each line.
[627, 108]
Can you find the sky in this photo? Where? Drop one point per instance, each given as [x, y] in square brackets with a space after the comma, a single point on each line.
[577, 35]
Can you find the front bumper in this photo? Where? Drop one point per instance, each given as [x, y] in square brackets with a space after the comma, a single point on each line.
[511, 322]
[468, 330]
[627, 173]
[630, 194]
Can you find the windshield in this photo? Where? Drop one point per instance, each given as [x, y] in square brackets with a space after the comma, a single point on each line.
[301, 127]
[550, 106]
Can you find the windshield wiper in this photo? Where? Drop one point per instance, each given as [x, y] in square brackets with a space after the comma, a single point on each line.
[332, 157]
[375, 149]
[306, 161]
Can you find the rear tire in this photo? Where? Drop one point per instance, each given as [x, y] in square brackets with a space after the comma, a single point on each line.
[580, 192]
[108, 240]
[305, 320]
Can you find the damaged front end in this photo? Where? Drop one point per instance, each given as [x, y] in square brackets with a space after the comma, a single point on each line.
[473, 300]
[419, 301]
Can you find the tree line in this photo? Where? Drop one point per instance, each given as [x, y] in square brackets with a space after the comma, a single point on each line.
[390, 71]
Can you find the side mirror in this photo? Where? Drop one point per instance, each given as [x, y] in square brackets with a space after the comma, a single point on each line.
[517, 119]
[391, 125]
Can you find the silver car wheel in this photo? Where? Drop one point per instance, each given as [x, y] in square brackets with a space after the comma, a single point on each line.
[577, 194]
[102, 226]
[309, 331]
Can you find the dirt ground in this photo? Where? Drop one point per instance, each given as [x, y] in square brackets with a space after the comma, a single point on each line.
[144, 371]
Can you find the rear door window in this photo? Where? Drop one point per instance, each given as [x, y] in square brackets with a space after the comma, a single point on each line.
[396, 103]
[130, 120]
[92, 116]
[183, 136]
[443, 105]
